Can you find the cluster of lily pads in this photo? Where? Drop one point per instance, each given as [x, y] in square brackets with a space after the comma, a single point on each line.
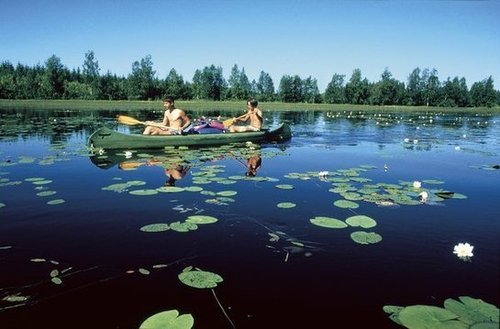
[467, 312]
[190, 224]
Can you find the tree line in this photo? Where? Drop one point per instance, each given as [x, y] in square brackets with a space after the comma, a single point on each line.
[53, 80]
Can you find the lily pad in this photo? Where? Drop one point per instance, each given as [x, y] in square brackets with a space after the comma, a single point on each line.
[472, 311]
[366, 237]
[361, 221]
[2, 205]
[144, 192]
[284, 186]
[168, 319]
[423, 316]
[286, 205]
[158, 227]
[46, 193]
[199, 219]
[200, 279]
[183, 227]
[227, 193]
[346, 204]
[55, 202]
[328, 222]
[170, 189]
[42, 182]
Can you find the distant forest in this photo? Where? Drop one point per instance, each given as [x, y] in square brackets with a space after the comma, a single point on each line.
[53, 80]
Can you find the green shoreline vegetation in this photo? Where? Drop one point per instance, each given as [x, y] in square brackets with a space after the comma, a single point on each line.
[208, 105]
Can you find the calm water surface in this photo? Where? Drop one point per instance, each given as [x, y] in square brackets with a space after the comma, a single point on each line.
[279, 270]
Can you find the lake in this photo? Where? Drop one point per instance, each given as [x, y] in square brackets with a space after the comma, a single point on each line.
[326, 230]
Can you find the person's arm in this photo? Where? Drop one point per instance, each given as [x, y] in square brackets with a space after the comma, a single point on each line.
[165, 121]
[185, 119]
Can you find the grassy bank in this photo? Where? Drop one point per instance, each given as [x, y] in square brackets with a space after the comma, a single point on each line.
[224, 106]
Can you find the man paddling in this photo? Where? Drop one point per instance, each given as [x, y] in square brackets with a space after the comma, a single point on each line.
[254, 115]
[175, 120]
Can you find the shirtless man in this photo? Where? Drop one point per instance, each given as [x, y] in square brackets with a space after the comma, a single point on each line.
[254, 115]
[174, 120]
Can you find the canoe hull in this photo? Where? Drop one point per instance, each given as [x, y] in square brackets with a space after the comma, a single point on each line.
[109, 139]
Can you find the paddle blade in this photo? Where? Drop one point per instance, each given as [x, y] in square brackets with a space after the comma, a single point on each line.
[127, 120]
[228, 122]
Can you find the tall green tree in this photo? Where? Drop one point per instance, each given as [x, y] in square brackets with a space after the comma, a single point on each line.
[388, 91]
[239, 85]
[53, 82]
[335, 90]
[142, 83]
[415, 88]
[455, 93]
[209, 83]
[432, 90]
[175, 86]
[265, 87]
[310, 91]
[483, 93]
[290, 89]
[91, 73]
[7, 81]
[357, 90]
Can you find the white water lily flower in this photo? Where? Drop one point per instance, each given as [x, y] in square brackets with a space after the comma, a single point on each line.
[323, 173]
[417, 184]
[128, 154]
[423, 196]
[406, 140]
[463, 250]
[101, 151]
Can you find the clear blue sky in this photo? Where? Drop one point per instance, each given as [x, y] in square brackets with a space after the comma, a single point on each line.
[315, 37]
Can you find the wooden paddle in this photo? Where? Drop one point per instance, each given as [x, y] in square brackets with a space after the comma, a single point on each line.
[230, 122]
[126, 120]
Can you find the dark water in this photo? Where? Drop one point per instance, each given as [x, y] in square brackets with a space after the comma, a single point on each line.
[279, 270]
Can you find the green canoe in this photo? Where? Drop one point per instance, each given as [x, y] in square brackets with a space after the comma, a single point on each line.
[109, 139]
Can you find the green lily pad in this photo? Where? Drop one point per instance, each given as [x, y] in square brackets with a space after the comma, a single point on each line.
[346, 204]
[286, 205]
[472, 311]
[56, 280]
[168, 320]
[227, 193]
[158, 227]
[55, 202]
[366, 237]
[183, 227]
[34, 179]
[42, 182]
[199, 219]
[361, 221]
[170, 189]
[193, 189]
[327, 222]
[15, 298]
[432, 181]
[423, 316]
[284, 186]
[46, 193]
[144, 192]
[200, 279]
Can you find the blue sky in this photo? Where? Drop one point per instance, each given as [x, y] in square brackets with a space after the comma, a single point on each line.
[309, 38]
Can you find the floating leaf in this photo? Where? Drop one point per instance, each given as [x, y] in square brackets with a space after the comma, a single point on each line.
[15, 298]
[54, 273]
[168, 320]
[2, 205]
[361, 221]
[286, 205]
[432, 181]
[144, 192]
[423, 316]
[199, 219]
[56, 280]
[346, 204]
[193, 189]
[42, 182]
[183, 227]
[170, 189]
[327, 222]
[55, 202]
[472, 311]
[143, 271]
[365, 237]
[200, 279]
[158, 227]
[34, 179]
[227, 193]
[284, 186]
[38, 260]
[46, 193]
